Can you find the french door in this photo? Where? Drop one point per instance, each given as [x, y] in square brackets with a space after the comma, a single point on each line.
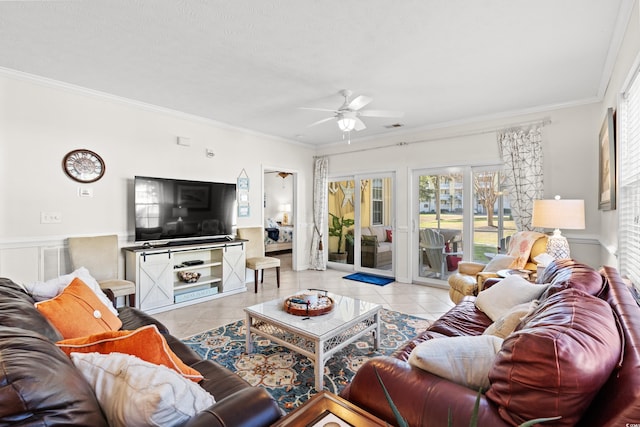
[459, 213]
[361, 223]
[439, 225]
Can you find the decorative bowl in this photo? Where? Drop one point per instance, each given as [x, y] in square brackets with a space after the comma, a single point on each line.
[188, 276]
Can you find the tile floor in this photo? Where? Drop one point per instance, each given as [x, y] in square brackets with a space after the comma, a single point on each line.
[418, 300]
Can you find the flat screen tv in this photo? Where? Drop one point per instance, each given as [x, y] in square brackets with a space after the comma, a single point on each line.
[176, 209]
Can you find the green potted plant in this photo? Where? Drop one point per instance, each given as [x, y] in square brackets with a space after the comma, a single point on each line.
[336, 229]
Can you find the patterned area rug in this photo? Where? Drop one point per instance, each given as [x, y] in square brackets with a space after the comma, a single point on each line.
[287, 375]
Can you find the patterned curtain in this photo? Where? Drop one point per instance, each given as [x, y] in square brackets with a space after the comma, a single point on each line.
[521, 150]
[320, 212]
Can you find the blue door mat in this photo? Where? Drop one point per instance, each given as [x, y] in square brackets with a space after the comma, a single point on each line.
[369, 278]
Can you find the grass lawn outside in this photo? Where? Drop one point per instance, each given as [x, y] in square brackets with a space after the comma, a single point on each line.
[485, 238]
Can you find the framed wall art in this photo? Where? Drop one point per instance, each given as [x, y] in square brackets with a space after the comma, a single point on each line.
[607, 164]
[243, 194]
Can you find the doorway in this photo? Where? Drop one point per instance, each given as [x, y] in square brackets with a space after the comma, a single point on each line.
[361, 223]
[279, 215]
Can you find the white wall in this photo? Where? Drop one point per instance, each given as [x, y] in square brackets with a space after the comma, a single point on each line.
[41, 122]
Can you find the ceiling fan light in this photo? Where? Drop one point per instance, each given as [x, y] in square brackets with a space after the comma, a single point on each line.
[346, 124]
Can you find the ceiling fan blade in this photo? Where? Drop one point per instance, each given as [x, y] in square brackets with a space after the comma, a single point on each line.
[380, 113]
[359, 102]
[321, 121]
[359, 124]
[317, 109]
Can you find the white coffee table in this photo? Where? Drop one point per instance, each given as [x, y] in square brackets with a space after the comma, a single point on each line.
[316, 337]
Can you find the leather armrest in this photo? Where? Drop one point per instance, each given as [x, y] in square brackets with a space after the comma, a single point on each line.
[490, 282]
[421, 397]
[252, 406]
[470, 268]
[482, 277]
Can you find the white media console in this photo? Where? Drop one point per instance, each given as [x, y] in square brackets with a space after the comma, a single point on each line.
[155, 271]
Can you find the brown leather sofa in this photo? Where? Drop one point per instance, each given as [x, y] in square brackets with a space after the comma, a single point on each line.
[608, 395]
[40, 386]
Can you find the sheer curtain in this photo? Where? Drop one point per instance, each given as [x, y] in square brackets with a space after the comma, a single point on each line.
[521, 150]
[320, 214]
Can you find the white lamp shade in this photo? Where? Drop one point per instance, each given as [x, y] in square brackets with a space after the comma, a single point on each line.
[558, 213]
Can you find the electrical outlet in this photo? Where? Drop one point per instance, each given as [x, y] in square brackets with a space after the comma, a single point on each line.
[50, 217]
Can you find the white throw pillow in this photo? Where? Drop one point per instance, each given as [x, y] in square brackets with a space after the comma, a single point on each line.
[464, 360]
[42, 291]
[506, 294]
[133, 392]
[508, 322]
[499, 262]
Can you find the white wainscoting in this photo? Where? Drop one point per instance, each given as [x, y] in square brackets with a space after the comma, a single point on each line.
[30, 261]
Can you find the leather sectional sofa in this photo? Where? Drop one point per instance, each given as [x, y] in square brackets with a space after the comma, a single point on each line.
[40, 386]
[575, 356]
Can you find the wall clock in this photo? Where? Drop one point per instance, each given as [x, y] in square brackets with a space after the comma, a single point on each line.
[83, 165]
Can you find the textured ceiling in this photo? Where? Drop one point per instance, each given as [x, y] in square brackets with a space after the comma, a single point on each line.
[251, 64]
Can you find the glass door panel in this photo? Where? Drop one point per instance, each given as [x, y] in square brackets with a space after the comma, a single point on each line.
[376, 224]
[440, 225]
[492, 221]
[341, 221]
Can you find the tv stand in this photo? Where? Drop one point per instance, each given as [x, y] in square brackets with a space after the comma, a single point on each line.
[156, 272]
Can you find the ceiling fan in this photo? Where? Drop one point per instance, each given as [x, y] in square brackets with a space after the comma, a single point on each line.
[349, 113]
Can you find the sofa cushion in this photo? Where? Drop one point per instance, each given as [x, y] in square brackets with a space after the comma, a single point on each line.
[133, 392]
[507, 293]
[41, 291]
[146, 343]
[78, 312]
[565, 274]
[463, 319]
[40, 386]
[379, 232]
[463, 360]
[17, 310]
[557, 361]
[508, 322]
[499, 262]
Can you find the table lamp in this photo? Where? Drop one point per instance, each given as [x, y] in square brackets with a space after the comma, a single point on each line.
[285, 209]
[557, 214]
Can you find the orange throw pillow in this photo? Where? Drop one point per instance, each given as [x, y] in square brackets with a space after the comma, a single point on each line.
[145, 343]
[78, 312]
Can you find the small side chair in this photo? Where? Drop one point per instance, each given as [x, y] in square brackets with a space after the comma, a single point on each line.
[256, 260]
[99, 255]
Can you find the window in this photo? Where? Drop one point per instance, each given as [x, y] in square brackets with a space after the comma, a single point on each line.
[629, 181]
[377, 202]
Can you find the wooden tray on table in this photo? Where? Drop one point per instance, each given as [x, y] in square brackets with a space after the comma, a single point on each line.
[296, 305]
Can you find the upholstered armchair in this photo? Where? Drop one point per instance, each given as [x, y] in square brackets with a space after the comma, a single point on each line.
[524, 246]
[100, 255]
